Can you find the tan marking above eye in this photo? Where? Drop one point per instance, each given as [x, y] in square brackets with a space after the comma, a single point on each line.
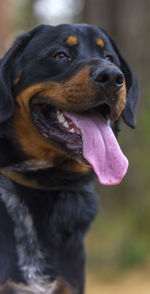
[100, 42]
[72, 41]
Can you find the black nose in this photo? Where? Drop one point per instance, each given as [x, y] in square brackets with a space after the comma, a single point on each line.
[109, 76]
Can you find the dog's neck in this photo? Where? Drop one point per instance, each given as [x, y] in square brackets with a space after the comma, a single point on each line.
[48, 179]
[25, 181]
[54, 220]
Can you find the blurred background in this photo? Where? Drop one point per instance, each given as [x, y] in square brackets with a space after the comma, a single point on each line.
[118, 245]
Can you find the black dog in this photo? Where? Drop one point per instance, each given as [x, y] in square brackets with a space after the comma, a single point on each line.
[62, 91]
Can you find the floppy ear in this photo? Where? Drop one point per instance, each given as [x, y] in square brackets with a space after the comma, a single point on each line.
[132, 89]
[6, 63]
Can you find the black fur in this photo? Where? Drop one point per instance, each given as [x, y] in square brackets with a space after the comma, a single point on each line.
[132, 91]
[60, 216]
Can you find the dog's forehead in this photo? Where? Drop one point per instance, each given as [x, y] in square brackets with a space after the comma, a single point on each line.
[87, 39]
[75, 34]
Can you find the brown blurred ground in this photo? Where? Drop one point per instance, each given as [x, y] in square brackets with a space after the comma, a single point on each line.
[135, 282]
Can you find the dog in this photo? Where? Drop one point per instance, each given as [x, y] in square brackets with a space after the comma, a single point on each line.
[63, 92]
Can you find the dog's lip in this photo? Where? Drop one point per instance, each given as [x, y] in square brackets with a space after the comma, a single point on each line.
[102, 107]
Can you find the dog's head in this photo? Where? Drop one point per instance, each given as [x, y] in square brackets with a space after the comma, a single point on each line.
[57, 86]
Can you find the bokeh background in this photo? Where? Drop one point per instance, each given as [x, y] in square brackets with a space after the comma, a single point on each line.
[118, 245]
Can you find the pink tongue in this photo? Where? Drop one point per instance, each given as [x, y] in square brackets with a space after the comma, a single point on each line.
[100, 148]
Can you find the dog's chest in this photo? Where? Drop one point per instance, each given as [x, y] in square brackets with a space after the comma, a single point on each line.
[30, 255]
[48, 235]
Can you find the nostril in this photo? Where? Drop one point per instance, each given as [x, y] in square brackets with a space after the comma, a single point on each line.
[103, 78]
[119, 80]
[109, 76]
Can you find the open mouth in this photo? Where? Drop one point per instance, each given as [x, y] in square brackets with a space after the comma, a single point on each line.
[56, 126]
[87, 135]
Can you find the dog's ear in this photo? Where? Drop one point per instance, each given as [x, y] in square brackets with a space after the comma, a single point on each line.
[132, 89]
[6, 64]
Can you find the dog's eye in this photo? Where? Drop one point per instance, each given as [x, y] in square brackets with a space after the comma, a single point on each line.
[109, 58]
[61, 55]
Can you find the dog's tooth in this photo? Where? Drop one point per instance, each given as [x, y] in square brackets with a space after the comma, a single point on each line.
[72, 131]
[109, 122]
[66, 124]
[60, 116]
[62, 119]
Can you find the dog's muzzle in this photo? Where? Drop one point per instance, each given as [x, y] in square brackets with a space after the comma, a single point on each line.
[109, 77]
